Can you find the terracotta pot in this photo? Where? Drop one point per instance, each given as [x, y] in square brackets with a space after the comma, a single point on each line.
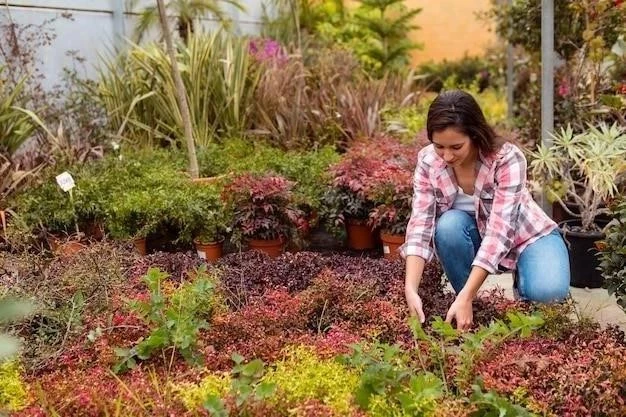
[94, 230]
[68, 249]
[209, 251]
[140, 245]
[273, 247]
[391, 244]
[64, 248]
[360, 236]
[53, 242]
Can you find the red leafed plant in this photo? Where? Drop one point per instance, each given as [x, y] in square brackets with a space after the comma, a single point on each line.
[391, 189]
[583, 374]
[364, 173]
[264, 207]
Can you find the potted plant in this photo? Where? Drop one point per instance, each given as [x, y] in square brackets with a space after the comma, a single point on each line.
[134, 215]
[346, 200]
[264, 211]
[203, 219]
[362, 167]
[582, 168]
[391, 189]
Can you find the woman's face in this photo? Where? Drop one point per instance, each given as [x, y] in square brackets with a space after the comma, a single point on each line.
[455, 148]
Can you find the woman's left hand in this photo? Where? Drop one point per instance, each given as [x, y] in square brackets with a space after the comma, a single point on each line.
[461, 312]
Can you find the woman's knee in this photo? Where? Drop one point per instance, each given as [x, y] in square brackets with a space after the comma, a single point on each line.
[452, 223]
[544, 270]
[547, 290]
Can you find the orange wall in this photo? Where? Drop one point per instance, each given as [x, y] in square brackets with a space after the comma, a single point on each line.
[449, 29]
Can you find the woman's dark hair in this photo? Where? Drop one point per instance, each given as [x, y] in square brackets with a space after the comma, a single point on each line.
[459, 110]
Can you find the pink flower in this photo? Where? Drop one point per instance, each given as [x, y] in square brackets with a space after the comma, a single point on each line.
[564, 89]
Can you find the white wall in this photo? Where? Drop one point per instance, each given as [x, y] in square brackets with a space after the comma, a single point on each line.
[97, 27]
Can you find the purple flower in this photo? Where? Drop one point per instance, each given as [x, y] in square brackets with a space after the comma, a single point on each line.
[267, 50]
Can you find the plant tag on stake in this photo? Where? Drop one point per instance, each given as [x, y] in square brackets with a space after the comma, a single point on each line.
[65, 181]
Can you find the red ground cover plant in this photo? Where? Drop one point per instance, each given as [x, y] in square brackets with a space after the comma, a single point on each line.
[583, 374]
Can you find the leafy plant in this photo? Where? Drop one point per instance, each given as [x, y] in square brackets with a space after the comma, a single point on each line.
[175, 319]
[15, 126]
[442, 347]
[137, 90]
[371, 174]
[613, 253]
[392, 191]
[582, 168]
[188, 13]
[13, 394]
[376, 31]
[302, 375]
[205, 218]
[263, 207]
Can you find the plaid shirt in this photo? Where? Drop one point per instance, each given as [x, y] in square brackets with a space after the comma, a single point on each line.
[508, 218]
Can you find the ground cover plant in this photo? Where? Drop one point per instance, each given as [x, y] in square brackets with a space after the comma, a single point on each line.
[302, 334]
[329, 120]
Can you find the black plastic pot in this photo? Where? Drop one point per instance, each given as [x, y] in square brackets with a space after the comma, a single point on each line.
[583, 255]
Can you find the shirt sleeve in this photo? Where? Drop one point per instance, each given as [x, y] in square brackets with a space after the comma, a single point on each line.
[510, 179]
[419, 231]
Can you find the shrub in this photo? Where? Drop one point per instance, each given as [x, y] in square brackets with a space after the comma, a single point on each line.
[308, 169]
[65, 293]
[466, 71]
[391, 189]
[562, 377]
[264, 207]
[301, 375]
[137, 90]
[13, 392]
[613, 254]
[174, 319]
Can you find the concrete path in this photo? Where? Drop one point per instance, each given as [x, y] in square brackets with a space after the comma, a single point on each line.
[595, 303]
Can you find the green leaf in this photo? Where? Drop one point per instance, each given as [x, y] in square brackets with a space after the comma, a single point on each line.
[215, 406]
[444, 329]
[265, 390]
[237, 358]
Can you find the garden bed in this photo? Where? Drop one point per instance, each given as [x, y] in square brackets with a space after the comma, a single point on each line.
[305, 334]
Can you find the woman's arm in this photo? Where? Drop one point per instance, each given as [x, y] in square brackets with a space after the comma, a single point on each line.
[418, 247]
[414, 270]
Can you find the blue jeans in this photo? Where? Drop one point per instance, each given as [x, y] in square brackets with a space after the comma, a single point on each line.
[542, 273]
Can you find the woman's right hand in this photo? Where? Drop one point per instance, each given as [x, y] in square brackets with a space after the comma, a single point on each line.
[414, 302]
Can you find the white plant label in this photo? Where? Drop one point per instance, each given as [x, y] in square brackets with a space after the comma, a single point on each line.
[386, 249]
[65, 181]
[201, 254]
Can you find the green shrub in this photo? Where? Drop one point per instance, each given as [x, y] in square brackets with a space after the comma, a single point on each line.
[174, 319]
[308, 169]
[613, 254]
[405, 122]
[467, 70]
[13, 393]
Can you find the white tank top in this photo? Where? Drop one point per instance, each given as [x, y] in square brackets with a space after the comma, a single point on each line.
[464, 202]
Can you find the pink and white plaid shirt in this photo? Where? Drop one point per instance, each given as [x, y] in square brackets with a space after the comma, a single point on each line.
[507, 216]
